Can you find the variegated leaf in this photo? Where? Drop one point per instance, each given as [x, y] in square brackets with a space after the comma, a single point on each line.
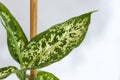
[6, 71]
[55, 43]
[15, 35]
[42, 75]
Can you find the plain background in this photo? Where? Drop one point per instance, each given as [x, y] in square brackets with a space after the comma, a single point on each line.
[98, 57]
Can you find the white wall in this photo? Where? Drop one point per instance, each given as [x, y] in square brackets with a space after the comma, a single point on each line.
[98, 57]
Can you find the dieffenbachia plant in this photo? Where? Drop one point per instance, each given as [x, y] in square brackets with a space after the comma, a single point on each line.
[44, 49]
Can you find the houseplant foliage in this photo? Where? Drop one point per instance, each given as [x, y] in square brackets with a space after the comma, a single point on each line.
[44, 49]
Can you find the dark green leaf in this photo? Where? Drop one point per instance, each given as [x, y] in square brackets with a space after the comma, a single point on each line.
[6, 71]
[55, 43]
[15, 35]
[42, 75]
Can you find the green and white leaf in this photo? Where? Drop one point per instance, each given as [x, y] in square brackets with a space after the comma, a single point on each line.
[6, 71]
[15, 36]
[42, 75]
[55, 43]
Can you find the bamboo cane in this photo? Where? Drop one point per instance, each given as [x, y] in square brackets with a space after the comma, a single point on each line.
[33, 27]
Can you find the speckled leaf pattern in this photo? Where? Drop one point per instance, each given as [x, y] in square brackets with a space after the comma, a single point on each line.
[42, 75]
[55, 43]
[15, 36]
[6, 71]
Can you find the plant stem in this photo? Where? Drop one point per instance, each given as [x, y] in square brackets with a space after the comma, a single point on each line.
[33, 27]
[23, 74]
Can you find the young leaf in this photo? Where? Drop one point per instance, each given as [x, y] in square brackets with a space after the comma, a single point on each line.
[6, 71]
[42, 75]
[15, 36]
[55, 43]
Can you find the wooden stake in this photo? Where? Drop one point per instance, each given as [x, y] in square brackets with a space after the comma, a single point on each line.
[33, 27]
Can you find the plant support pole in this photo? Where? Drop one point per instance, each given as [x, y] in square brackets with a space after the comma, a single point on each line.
[33, 27]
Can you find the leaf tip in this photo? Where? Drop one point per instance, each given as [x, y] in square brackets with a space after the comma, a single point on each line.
[95, 11]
